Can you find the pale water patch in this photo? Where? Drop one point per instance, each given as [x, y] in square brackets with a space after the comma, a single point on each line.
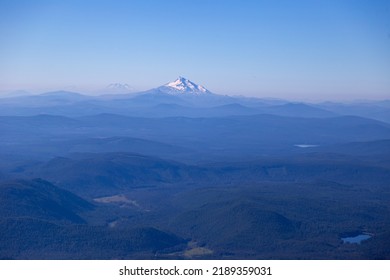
[305, 145]
[356, 239]
[113, 224]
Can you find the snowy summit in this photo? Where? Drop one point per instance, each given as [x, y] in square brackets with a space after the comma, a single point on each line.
[118, 86]
[182, 85]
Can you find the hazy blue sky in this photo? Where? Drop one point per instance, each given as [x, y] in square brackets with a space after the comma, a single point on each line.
[282, 48]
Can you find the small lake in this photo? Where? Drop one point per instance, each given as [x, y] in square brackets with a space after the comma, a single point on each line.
[305, 145]
[356, 239]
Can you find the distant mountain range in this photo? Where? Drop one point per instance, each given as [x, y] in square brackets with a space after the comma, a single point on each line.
[180, 97]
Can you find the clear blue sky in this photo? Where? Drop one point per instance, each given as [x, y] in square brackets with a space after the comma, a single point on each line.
[280, 48]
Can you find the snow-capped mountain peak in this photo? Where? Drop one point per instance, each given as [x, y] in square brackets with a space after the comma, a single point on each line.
[182, 85]
[118, 86]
